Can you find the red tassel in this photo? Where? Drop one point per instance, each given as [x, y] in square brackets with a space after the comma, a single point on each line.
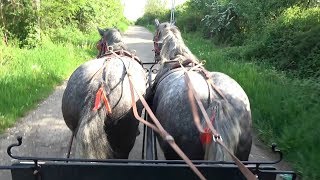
[105, 100]
[106, 103]
[206, 138]
[98, 98]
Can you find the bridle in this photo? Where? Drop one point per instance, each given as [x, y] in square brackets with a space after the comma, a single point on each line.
[102, 46]
[157, 46]
[105, 50]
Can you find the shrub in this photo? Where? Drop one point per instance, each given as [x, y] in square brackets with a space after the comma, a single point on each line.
[292, 42]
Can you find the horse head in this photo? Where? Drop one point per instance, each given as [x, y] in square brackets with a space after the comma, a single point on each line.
[111, 38]
[169, 44]
[161, 29]
[158, 37]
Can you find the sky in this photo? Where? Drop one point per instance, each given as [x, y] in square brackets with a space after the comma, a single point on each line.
[135, 8]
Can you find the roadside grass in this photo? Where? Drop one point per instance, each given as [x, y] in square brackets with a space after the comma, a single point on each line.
[284, 110]
[29, 75]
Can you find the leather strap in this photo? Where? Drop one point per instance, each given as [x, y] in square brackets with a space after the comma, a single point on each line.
[159, 129]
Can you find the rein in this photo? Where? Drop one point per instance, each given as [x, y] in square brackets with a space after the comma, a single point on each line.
[157, 127]
[121, 52]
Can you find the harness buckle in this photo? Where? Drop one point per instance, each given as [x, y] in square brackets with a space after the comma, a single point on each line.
[217, 137]
[110, 48]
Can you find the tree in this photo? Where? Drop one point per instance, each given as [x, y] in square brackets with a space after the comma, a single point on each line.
[17, 18]
[155, 5]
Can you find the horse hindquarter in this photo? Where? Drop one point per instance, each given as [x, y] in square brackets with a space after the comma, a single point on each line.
[233, 121]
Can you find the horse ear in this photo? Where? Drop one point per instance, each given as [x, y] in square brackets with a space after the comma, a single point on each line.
[156, 22]
[173, 23]
[101, 32]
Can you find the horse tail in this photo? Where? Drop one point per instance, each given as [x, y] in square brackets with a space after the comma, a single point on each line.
[91, 138]
[225, 121]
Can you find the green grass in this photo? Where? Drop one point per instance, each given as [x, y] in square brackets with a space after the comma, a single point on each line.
[29, 75]
[284, 110]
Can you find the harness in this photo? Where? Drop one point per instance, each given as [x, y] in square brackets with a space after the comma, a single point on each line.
[107, 51]
[157, 46]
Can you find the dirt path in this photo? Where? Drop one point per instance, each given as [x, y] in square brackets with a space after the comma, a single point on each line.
[45, 133]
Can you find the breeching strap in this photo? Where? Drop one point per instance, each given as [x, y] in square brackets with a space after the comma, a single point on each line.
[216, 137]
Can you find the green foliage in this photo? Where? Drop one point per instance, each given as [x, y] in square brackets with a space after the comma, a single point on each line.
[149, 18]
[18, 18]
[154, 10]
[82, 14]
[154, 6]
[292, 42]
[28, 75]
[186, 19]
[221, 22]
[27, 20]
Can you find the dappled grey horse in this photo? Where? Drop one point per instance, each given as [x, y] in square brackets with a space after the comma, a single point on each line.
[96, 104]
[227, 104]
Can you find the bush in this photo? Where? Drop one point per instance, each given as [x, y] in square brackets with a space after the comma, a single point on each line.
[26, 21]
[18, 19]
[149, 17]
[292, 42]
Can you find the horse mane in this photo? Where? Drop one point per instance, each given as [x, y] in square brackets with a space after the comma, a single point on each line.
[173, 46]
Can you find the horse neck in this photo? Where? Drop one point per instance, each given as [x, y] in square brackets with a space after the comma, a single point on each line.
[175, 49]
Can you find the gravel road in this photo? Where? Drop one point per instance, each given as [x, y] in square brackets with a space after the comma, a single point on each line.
[45, 133]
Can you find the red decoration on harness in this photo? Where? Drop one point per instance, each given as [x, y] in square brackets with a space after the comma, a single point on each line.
[206, 137]
[97, 101]
[100, 94]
